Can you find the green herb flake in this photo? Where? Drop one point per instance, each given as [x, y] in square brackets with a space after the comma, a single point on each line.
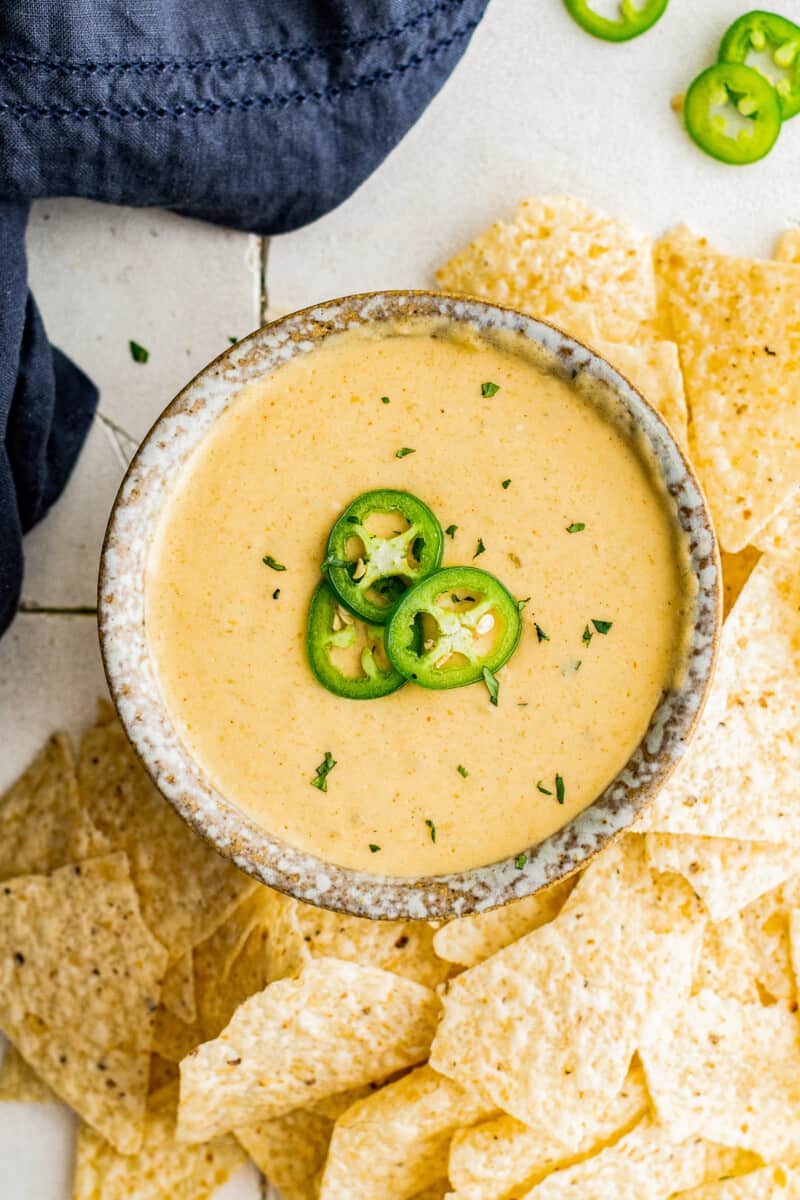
[386, 400]
[576, 527]
[276, 593]
[587, 635]
[324, 769]
[489, 389]
[403, 452]
[541, 788]
[431, 828]
[559, 789]
[521, 603]
[272, 563]
[492, 685]
[602, 626]
[541, 636]
[451, 531]
[463, 772]
[506, 484]
[480, 548]
[520, 860]
[138, 353]
[373, 848]
[233, 340]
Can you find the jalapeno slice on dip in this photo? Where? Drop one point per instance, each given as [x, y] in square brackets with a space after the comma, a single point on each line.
[383, 542]
[469, 623]
[346, 655]
[633, 19]
[733, 113]
[770, 44]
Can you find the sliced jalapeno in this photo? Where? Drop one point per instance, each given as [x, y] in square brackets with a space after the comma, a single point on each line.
[633, 18]
[383, 542]
[347, 656]
[770, 44]
[732, 113]
[469, 621]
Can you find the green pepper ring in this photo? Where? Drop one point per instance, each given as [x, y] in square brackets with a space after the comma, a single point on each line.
[633, 21]
[385, 558]
[752, 87]
[401, 643]
[773, 29]
[320, 636]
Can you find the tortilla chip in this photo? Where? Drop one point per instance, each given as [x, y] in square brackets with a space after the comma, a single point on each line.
[290, 1151]
[787, 248]
[653, 367]
[469, 940]
[766, 926]
[416, 1116]
[781, 534]
[173, 1039]
[186, 889]
[162, 1168]
[740, 355]
[301, 932]
[726, 874]
[19, 1081]
[43, 824]
[178, 993]
[233, 963]
[336, 1025]
[736, 570]
[565, 262]
[80, 975]
[162, 1074]
[766, 1183]
[645, 1164]
[563, 1008]
[729, 1072]
[728, 965]
[503, 1157]
[739, 776]
[438, 1190]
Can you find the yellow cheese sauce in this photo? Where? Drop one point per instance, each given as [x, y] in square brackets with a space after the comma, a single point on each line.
[272, 477]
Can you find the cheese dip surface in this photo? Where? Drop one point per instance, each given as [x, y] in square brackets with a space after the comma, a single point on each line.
[533, 482]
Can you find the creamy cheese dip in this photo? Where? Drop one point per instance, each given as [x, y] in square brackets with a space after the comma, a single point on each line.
[271, 478]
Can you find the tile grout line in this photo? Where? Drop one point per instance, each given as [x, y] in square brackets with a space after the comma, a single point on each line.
[263, 291]
[30, 608]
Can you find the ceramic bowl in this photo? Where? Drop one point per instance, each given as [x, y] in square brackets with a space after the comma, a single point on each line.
[132, 675]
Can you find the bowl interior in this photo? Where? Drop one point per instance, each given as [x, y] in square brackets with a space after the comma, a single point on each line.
[149, 724]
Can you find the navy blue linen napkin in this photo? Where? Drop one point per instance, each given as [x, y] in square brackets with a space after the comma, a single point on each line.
[256, 114]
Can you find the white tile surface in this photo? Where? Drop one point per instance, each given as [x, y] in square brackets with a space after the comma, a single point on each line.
[538, 106]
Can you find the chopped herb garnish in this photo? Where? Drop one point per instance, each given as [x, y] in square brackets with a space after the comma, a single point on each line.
[404, 451]
[559, 789]
[541, 788]
[273, 563]
[323, 771]
[602, 626]
[576, 527]
[463, 772]
[541, 636]
[233, 340]
[480, 549]
[506, 483]
[431, 828]
[515, 559]
[587, 635]
[490, 389]
[772, 353]
[520, 860]
[276, 593]
[521, 603]
[373, 848]
[385, 400]
[451, 530]
[522, 704]
[492, 685]
[138, 353]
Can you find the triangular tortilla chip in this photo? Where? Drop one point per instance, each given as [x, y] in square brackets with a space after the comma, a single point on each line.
[19, 1081]
[733, 320]
[80, 976]
[178, 993]
[767, 1183]
[233, 963]
[186, 889]
[469, 940]
[43, 824]
[335, 1026]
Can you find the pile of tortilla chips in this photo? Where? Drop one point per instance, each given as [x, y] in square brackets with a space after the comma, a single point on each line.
[631, 1034]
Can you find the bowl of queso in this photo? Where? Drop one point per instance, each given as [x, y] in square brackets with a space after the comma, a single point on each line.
[409, 604]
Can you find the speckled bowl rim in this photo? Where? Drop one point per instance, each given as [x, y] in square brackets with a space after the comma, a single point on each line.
[132, 678]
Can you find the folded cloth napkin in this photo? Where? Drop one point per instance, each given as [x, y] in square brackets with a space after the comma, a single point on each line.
[257, 114]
